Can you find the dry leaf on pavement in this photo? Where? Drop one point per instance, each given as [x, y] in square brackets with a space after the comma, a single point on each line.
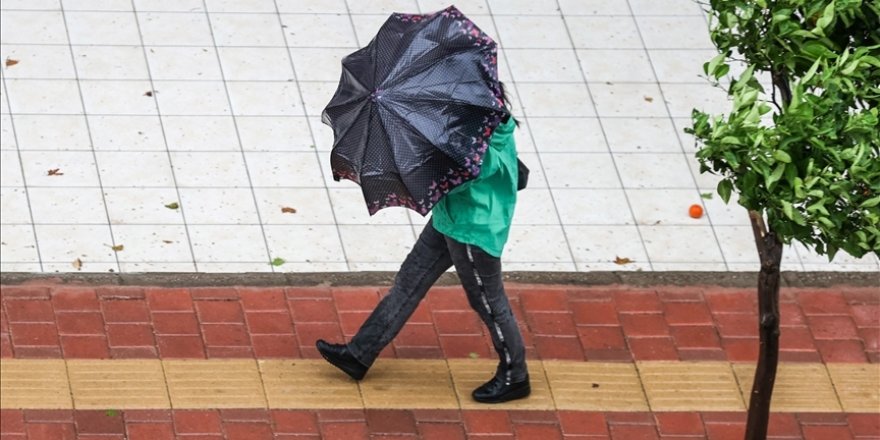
[288, 210]
[622, 260]
[55, 172]
[10, 62]
[77, 264]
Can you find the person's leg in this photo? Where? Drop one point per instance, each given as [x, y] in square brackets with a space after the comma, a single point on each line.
[428, 260]
[481, 277]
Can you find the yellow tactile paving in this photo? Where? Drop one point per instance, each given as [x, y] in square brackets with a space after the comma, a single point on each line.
[595, 386]
[122, 384]
[308, 384]
[857, 385]
[468, 374]
[408, 384]
[798, 387]
[681, 386]
[32, 383]
[214, 384]
[411, 384]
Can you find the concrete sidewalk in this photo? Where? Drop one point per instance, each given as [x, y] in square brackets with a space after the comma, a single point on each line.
[619, 361]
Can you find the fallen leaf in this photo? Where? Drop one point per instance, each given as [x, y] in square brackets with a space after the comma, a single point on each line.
[174, 205]
[55, 172]
[707, 196]
[77, 264]
[148, 93]
[473, 355]
[622, 260]
[167, 241]
[277, 262]
[649, 99]
[10, 62]
[595, 385]
[117, 248]
[288, 210]
[111, 413]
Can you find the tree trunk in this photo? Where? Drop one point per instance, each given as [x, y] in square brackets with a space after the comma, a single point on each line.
[770, 253]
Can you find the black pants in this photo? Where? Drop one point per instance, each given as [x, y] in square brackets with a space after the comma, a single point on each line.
[480, 275]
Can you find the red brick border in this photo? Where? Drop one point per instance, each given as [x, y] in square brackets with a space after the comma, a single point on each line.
[232, 424]
[620, 324]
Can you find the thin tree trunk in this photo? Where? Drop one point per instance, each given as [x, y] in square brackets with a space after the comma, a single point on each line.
[770, 253]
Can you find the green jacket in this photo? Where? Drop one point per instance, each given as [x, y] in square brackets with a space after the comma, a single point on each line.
[480, 212]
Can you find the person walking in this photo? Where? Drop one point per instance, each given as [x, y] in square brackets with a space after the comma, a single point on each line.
[468, 229]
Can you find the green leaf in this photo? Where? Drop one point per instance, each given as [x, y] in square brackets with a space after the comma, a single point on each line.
[782, 156]
[707, 196]
[809, 75]
[870, 203]
[724, 189]
[173, 205]
[111, 413]
[277, 261]
[775, 176]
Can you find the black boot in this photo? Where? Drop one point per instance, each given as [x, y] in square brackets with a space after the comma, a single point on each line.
[498, 391]
[340, 357]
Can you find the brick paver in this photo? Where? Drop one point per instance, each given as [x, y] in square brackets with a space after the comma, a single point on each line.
[580, 324]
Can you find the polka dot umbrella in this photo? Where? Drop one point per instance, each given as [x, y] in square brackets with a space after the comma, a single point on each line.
[414, 110]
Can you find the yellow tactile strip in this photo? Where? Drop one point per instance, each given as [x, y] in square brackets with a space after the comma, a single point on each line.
[798, 388]
[678, 386]
[436, 384]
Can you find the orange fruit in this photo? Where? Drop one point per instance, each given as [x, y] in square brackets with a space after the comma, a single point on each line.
[695, 211]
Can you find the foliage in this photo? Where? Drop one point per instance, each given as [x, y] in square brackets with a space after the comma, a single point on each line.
[810, 160]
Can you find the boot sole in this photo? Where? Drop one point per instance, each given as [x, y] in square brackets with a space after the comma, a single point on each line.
[507, 397]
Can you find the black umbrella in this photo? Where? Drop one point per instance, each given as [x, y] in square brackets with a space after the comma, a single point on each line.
[415, 109]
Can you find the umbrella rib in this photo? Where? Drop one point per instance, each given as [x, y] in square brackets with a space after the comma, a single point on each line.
[350, 126]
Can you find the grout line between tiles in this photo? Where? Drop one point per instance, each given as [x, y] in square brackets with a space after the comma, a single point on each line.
[677, 134]
[164, 139]
[89, 132]
[312, 133]
[513, 83]
[604, 133]
[232, 113]
[23, 176]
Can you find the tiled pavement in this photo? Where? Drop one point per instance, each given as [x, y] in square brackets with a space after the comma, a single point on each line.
[94, 362]
[231, 133]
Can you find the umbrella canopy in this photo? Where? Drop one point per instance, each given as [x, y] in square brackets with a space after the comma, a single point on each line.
[415, 109]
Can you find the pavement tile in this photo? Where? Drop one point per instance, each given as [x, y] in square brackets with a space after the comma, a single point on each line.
[313, 310]
[823, 303]
[391, 422]
[262, 299]
[89, 347]
[798, 387]
[635, 302]
[652, 348]
[644, 325]
[132, 310]
[409, 384]
[594, 313]
[197, 422]
[679, 423]
[150, 431]
[677, 386]
[737, 325]
[487, 422]
[827, 432]
[551, 323]
[695, 336]
[21, 390]
[441, 431]
[417, 335]
[169, 300]
[537, 431]
[214, 293]
[343, 431]
[26, 310]
[123, 384]
[857, 385]
[218, 384]
[693, 313]
[558, 347]
[51, 431]
[838, 350]
[640, 432]
[224, 312]
[175, 323]
[731, 301]
[85, 323]
[295, 422]
[99, 422]
[832, 327]
[130, 335]
[75, 300]
[120, 292]
[34, 334]
[544, 300]
[464, 322]
[12, 421]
